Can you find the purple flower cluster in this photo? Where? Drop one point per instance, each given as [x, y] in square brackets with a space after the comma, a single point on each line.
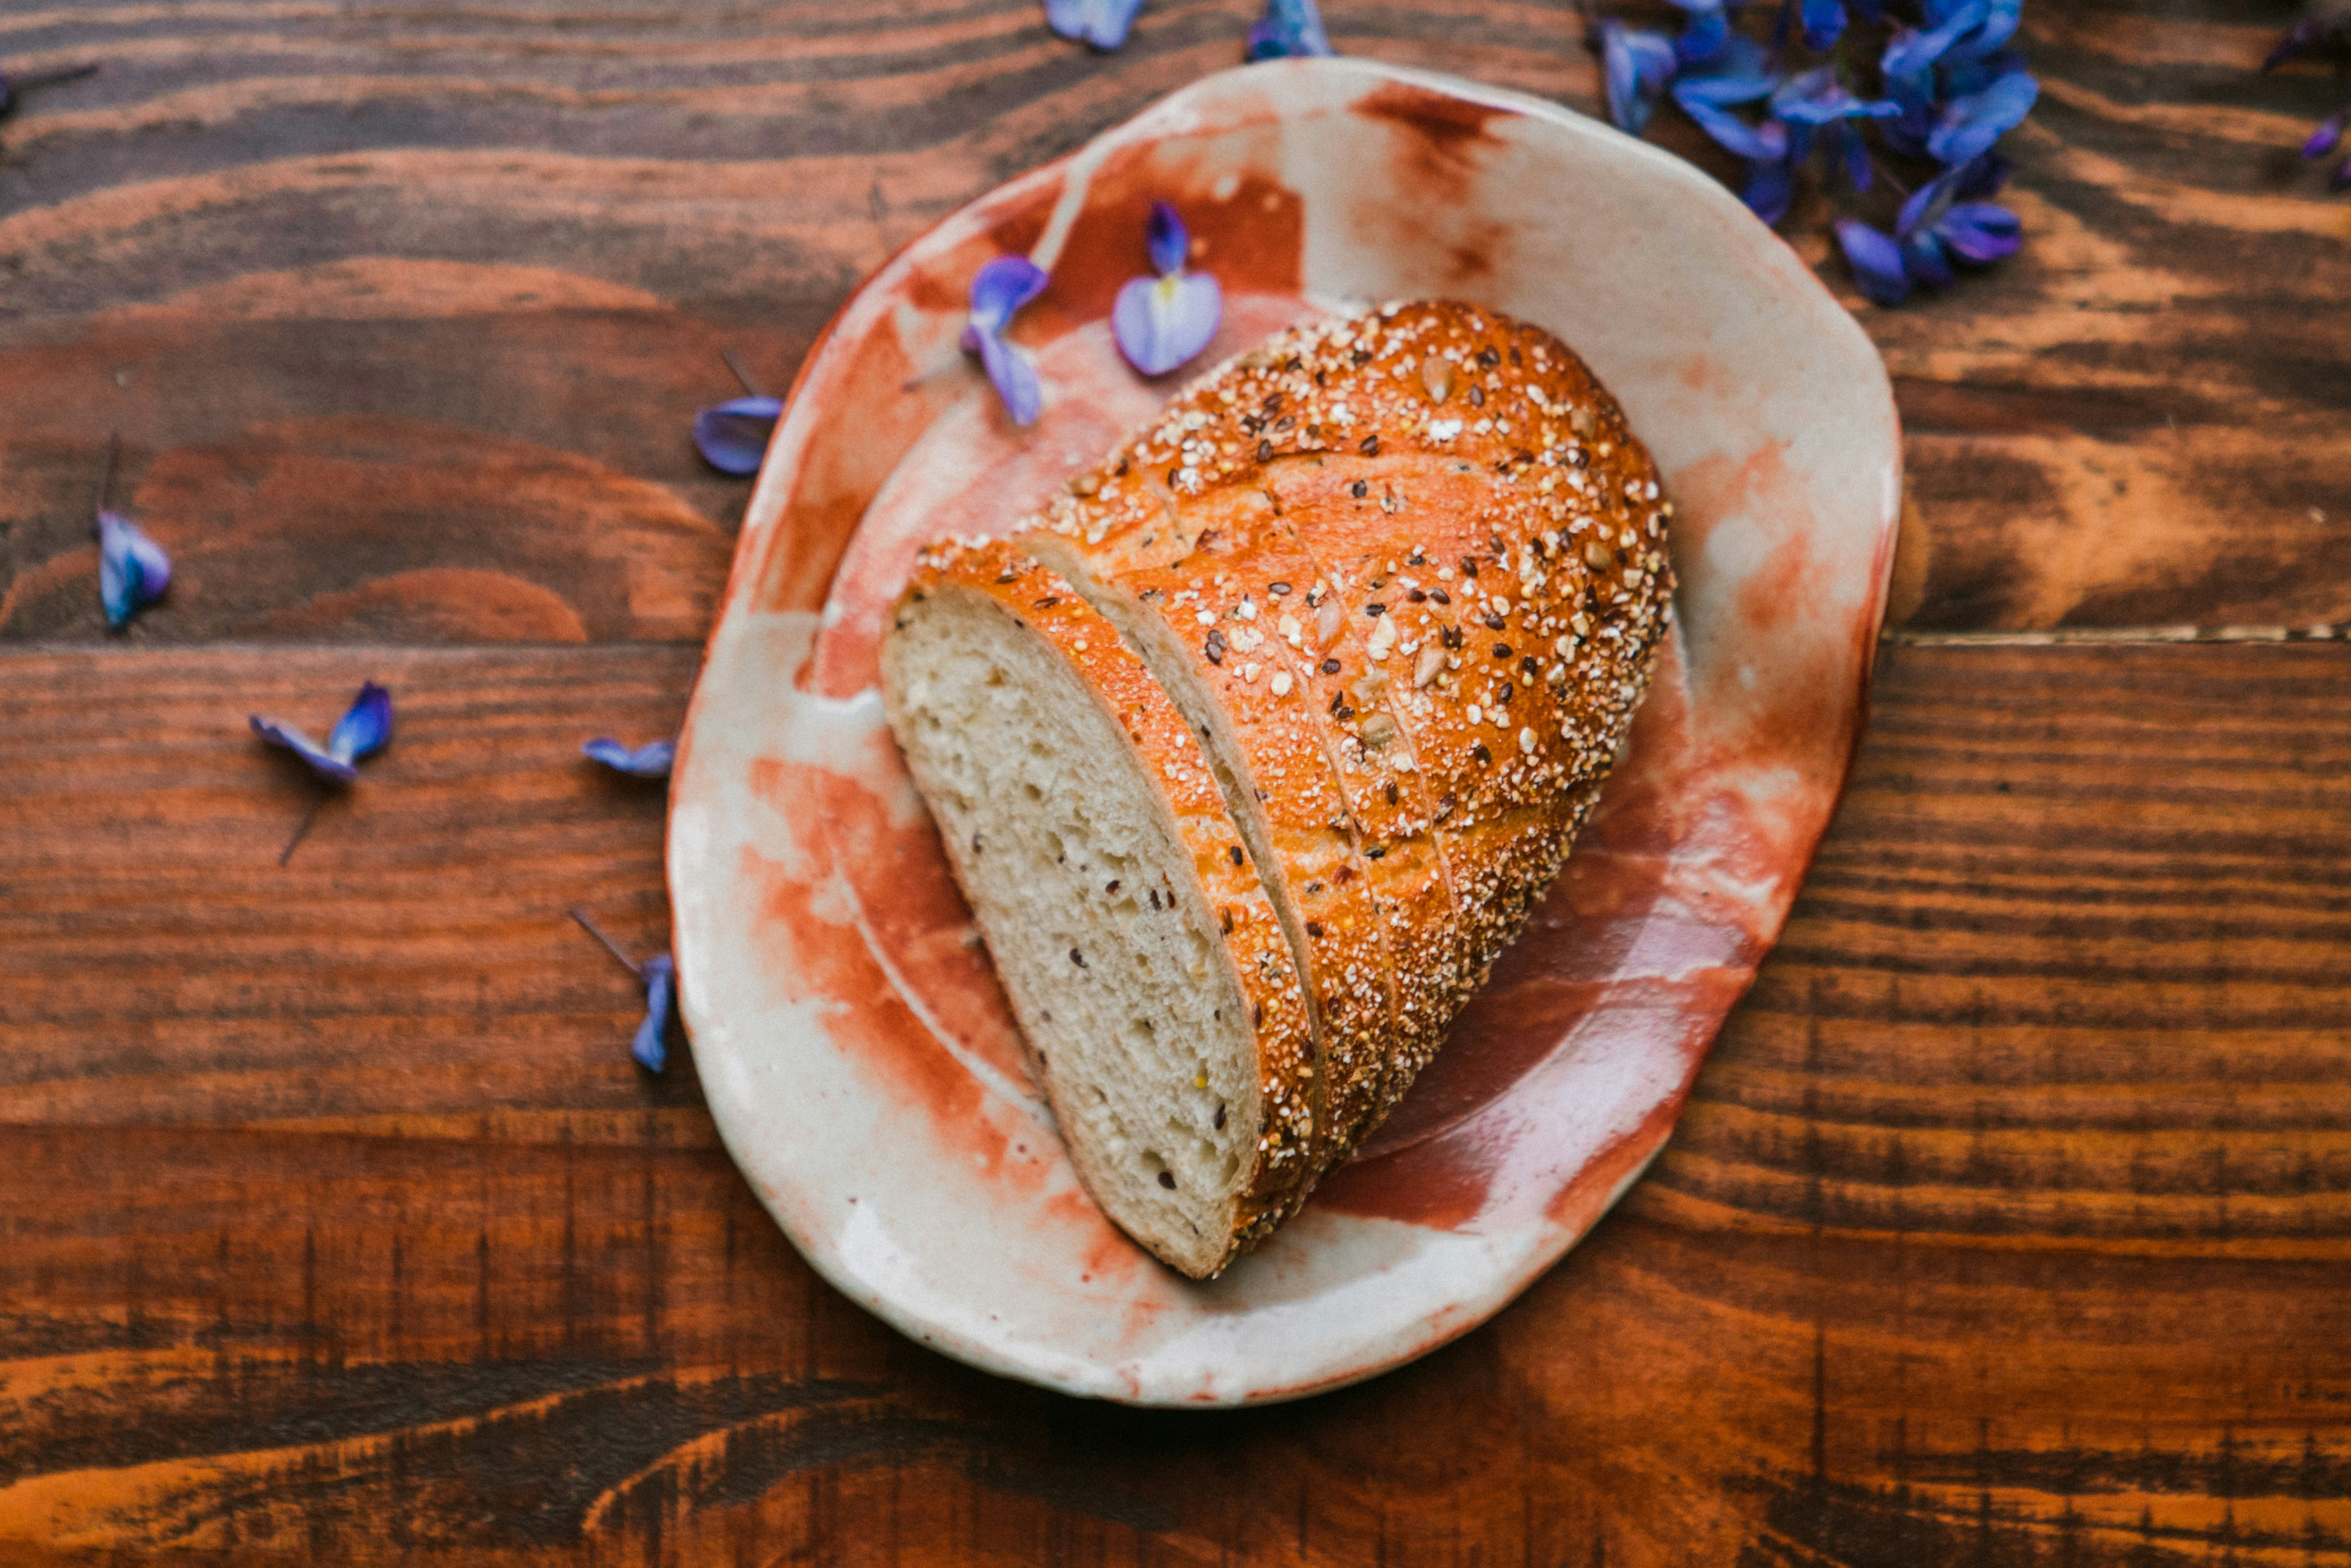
[1944, 85]
[2327, 29]
[1288, 30]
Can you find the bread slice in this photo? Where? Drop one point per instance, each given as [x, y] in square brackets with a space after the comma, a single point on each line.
[1134, 936]
[1388, 590]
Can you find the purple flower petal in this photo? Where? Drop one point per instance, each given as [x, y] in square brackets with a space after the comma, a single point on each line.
[1638, 64]
[1002, 287]
[1970, 125]
[1984, 177]
[1924, 261]
[1769, 187]
[1162, 322]
[2001, 20]
[132, 569]
[2326, 138]
[1014, 378]
[2302, 35]
[1767, 142]
[1741, 74]
[1857, 155]
[1704, 39]
[1165, 240]
[651, 1048]
[1290, 29]
[651, 760]
[1102, 22]
[1876, 262]
[1912, 50]
[1817, 98]
[1823, 23]
[365, 727]
[2341, 177]
[1981, 232]
[325, 766]
[732, 436]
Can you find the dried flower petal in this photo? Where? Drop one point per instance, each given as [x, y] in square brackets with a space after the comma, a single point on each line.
[2326, 138]
[1290, 29]
[732, 436]
[1162, 322]
[651, 1048]
[1102, 22]
[364, 729]
[999, 289]
[1876, 262]
[651, 760]
[132, 569]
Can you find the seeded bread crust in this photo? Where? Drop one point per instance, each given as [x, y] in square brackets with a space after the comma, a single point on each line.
[1465, 495]
[1254, 942]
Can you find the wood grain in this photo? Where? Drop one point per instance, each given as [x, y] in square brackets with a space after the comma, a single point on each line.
[395, 307]
[2011, 1224]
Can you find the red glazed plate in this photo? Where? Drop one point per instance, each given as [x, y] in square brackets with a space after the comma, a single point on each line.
[857, 1054]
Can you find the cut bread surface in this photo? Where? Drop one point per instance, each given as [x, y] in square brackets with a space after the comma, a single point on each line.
[1126, 920]
[1394, 584]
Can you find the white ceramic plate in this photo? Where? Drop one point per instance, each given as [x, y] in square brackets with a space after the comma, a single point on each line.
[856, 1053]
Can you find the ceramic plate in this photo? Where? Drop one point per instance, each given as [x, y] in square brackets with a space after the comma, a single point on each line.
[857, 1054]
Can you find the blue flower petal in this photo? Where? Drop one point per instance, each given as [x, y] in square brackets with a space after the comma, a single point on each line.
[1162, 322]
[1817, 98]
[1014, 377]
[2001, 20]
[1638, 64]
[365, 727]
[1290, 29]
[732, 436]
[1741, 74]
[1984, 177]
[132, 569]
[1981, 232]
[1923, 259]
[1911, 50]
[1001, 288]
[1767, 142]
[1963, 78]
[1857, 155]
[1876, 262]
[2326, 138]
[325, 766]
[651, 1048]
[1165, 240]
[651, 760]
[1823, 23]
[1102, 22]
[1769, 187]
[1703, 39]
[1970, 125]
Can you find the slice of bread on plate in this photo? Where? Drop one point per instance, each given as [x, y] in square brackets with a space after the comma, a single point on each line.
[1254, 749]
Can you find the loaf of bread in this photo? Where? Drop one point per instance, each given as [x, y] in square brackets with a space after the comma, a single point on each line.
[1253, 750]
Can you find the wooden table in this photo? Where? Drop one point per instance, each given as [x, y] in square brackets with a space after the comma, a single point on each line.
[2011, 1223]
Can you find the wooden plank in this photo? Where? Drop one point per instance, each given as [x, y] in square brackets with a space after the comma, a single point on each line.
[2011, 1223]
[402, 323]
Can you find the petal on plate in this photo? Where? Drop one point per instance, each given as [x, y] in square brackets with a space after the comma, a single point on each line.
[1165, 239]
[132, 569]
[1876, 262]
[651, 1048]
[1001, 288]
[1981, 231]
[1162, 322]
[651, 760]
[1014, 378]
[1102, 22]
[1290, 29]
[732, 436]
[325, 766]
[365, 727]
